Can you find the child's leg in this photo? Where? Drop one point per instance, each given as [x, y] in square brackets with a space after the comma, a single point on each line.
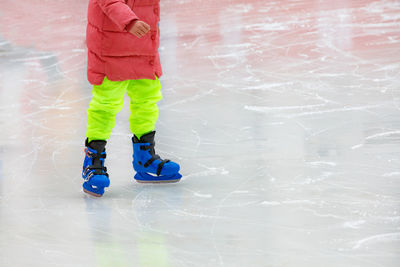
[149, 167]
[144, 95]
[107, 101]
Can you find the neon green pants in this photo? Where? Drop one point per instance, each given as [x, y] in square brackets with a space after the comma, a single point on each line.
[108, 100]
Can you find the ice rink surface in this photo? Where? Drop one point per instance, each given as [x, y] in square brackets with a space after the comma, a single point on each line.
[284, 116]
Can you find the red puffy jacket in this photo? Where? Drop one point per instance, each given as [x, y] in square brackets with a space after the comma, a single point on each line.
[112, 50]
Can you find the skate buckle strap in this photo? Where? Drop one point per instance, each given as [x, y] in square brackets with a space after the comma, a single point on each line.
[160, 166]
[97, 167]
[99, 170]
[91, 170]
[89, 153]
[85, 171]
[150, 161]
[143, 147]
[88, 177]
[154, 157]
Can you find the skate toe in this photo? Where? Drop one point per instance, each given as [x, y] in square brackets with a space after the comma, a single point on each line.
[99, 181]
[93, 190]
[170, 168]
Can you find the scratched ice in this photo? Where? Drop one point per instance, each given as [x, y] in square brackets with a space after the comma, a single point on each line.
[283, 114]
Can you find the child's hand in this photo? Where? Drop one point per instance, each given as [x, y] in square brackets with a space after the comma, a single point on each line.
[139, 29]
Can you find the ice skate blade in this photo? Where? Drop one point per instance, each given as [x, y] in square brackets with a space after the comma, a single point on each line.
[152, 179]
[91, 193]
[158, 182]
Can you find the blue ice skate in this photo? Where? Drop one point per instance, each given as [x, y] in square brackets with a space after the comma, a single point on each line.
[94, 173]
[149, 167]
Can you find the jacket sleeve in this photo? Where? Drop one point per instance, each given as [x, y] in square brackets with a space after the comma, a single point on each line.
[118, 11]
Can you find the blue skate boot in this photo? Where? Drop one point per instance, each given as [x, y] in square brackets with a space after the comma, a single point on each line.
[94, 173]
[149, 167]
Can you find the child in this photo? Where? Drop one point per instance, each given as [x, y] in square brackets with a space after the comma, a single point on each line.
[122, 39]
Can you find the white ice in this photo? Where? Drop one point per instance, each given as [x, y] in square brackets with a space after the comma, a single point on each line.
[284, 116]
